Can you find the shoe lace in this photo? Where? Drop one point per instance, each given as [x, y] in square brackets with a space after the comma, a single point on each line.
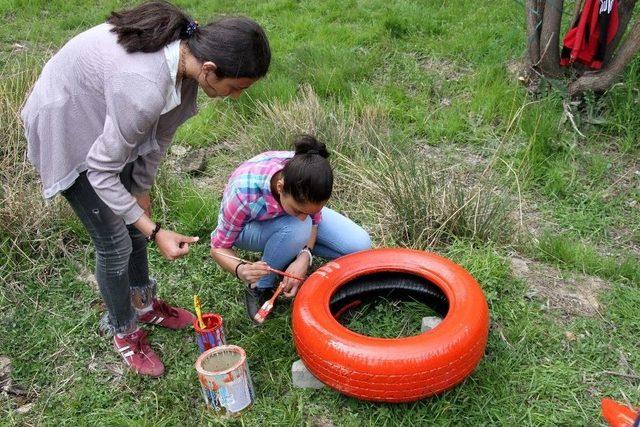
[138, 343]
[164, 308]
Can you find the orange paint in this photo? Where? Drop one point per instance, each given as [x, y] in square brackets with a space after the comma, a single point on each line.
[391, 370]
[618, 415]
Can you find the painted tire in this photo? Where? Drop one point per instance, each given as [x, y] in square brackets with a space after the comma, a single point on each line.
[618, 415]
[391, 370]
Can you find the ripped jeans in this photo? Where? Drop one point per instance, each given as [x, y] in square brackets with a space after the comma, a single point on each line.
[122, 268]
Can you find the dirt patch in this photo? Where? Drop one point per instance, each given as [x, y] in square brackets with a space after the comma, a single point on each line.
[114, 371]
[87, 276]
[322, 421]
[19, 398]
[573, 294]
[519, 71]
[458, 157]
[530, 219]
[444, 68]
[183, 160]
[623, 238]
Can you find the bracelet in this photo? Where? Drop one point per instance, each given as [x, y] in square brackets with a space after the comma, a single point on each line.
[152, 237]
[239, 264]
[308, 251]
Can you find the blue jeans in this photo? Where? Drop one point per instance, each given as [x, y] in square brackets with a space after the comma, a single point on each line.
[281, 239]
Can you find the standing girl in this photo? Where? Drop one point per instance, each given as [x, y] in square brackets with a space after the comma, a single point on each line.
[275, 203]
[99, 120]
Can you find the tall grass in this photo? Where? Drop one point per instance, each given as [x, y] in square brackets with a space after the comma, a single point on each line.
[403, 198]
[348, 130]
[24, 217]
[418, 205]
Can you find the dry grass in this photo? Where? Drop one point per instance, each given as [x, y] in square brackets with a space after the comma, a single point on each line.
[417, 205]
[400, 197]
[24, 216]
[349, 131]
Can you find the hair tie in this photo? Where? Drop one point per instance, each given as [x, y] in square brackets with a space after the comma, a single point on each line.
[191, 28]
[312, 152]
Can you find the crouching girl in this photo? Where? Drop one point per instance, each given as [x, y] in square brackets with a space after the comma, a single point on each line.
[274, 203]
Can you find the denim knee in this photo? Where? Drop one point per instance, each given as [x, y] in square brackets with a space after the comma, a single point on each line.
[359, 241]
[114, 252]
[297, 232]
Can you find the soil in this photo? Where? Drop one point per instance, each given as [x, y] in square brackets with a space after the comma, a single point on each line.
[573, 294]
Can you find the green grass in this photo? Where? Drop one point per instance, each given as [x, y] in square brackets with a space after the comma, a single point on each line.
[395, 77]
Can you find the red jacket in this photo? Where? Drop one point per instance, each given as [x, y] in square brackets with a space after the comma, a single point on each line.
[587, 40]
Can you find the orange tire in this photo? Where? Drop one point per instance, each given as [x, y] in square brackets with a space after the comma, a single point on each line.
[618, 415]
[391, 370]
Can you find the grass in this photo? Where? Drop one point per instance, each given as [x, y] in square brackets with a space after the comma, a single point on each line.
[435, 147]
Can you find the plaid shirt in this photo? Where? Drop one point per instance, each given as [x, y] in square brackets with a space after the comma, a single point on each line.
[247, 197]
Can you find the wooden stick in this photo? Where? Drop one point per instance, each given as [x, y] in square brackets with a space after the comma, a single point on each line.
[273, 270]
[285, 274]
[231, 256]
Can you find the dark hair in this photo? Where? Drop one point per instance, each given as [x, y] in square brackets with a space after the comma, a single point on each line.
[308, 176]
[237, 45]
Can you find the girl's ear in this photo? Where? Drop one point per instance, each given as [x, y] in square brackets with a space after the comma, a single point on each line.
[280, 185]
[209, 66]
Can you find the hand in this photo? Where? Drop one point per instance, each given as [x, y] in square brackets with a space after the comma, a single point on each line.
[173, 245]
[297, 268]
[253, 271]
[144, 200]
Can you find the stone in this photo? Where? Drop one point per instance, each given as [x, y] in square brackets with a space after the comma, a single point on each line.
[302, 378]
[178, 150]
[194, 162]
[429, 322]
[24, 408]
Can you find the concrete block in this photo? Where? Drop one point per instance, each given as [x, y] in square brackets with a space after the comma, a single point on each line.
[429, 322]
[302, 378]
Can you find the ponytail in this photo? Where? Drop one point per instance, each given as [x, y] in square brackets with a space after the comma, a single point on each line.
[237, 45]
[150, 26]
[308, 176]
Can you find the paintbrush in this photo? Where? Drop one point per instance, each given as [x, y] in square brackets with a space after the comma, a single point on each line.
[273, 270]
[196, 304]
[266, 308]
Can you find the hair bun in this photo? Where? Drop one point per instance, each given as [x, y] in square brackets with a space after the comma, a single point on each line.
[307, 144]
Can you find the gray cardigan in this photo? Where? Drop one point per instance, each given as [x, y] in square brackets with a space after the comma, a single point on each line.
[96, 107]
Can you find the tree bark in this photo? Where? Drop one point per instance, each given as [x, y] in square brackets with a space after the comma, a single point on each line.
[534, 21]
[549, 38]
[625, 11]
[603, 79]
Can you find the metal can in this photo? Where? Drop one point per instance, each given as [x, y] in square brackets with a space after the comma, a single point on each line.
[212, 335]
[225, 379]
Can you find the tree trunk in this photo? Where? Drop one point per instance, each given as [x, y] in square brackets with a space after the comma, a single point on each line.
[625, 10]
[603, 79]
[543, 23]
[534, 22]
[550, 37]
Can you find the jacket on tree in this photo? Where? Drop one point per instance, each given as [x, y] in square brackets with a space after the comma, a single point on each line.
[586, 42]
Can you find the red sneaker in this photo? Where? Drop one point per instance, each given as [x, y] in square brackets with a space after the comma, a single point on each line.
[138, 355]
[164, 315]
